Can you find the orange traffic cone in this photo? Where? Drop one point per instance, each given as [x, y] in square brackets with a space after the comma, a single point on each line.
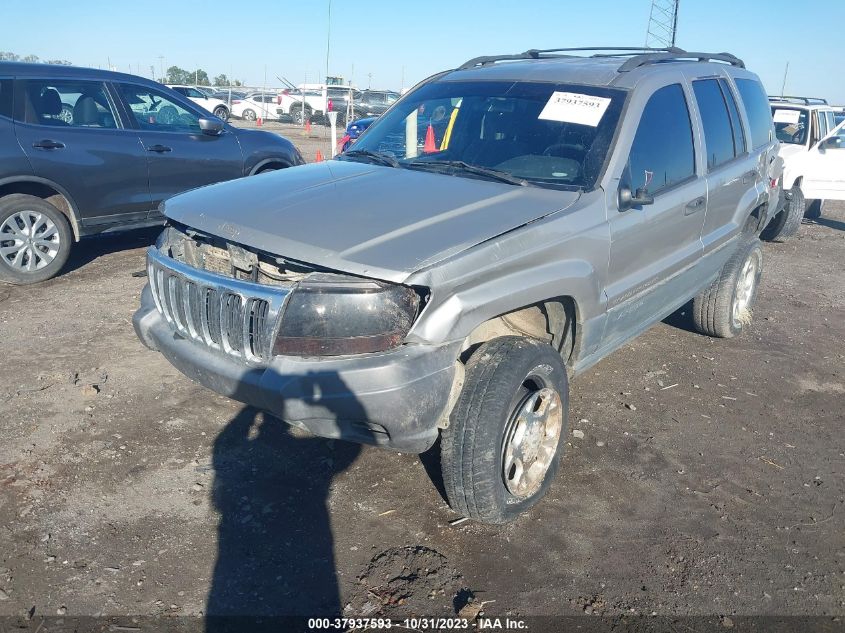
[430, 146]
[308, 126]
[319, 158]
[258, 121]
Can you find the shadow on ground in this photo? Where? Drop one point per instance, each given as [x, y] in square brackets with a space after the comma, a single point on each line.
[91, 248]
[275, 546]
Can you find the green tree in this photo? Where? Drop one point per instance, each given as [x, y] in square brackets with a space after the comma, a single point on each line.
[9, 57]
[200, 78]
[176, 75]
[58, 62]
[31, 59]
[221, 80]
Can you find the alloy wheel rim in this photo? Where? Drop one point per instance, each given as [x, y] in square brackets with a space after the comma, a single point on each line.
[29, 241]
[531, 441]
[744, 291]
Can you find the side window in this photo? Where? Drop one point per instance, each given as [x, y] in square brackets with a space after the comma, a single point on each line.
[740, 145]
[757, 110]
[718, 136]
[662, 153]
[153, 110]
[68, 104]
[831, 120]
[195, 94]
[6, 102]
[822, 124]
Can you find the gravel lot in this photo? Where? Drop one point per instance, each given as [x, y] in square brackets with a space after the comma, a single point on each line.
[709, 477]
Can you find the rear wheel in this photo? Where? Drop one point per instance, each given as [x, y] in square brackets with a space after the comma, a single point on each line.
[502, 448]
[250, 115]
[35, 239]
[296, 114]
[786, 223]
[724, 307]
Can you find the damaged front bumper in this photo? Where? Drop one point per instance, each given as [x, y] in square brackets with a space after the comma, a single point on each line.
[393, 399]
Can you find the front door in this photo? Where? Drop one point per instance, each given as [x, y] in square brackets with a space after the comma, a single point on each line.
[179, 155]
[653, 246]
[73, 137]
[824, 177]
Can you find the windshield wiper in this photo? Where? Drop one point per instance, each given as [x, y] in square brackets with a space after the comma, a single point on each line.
[487, 172]
[378, 157]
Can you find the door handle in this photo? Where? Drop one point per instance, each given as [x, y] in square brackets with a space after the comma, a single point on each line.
[159, 149]
[694, 206]
[48, 144]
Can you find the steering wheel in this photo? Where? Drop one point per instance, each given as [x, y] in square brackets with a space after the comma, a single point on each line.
[565, 150]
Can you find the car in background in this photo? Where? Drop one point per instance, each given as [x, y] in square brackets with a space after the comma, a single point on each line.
[300, 105]
[838, 115]
[375, 102]
[130, 143]
[226, 96]
[814, 165]
[217, 107]
[353, 130]
[256, 105]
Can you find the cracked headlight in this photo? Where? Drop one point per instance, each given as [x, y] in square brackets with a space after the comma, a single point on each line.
[334, 315]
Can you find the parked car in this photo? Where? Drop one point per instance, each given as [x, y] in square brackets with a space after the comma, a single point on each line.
[226, 96]
[813, 174]
[374, 102]
[353, 130]
[256, 105]
[300, 104]
[451, 287]
[216, 106]
[130, 143]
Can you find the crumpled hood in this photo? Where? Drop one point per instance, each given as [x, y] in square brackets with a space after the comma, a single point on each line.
[363, 219]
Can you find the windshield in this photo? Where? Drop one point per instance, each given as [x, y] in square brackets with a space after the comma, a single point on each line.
[790, 125]
[543, 134]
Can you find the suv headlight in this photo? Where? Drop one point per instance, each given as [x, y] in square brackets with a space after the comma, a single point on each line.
[334, 315]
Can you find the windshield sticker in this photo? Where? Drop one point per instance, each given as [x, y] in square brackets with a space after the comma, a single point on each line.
[571, 107]
[787, 116]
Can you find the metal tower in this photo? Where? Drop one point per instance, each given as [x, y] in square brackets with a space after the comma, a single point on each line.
[662, 23]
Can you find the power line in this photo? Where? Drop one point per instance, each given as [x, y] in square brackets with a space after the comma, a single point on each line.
[662, 24]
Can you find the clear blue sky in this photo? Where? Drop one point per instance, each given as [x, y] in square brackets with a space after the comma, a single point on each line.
[381, 37]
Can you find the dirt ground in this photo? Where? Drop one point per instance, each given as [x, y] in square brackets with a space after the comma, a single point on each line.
[708, 476]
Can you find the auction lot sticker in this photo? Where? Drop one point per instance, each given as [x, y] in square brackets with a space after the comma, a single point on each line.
[571, 107]
[787, 116]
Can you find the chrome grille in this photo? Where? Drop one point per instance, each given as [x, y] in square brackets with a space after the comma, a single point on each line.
[232, 316]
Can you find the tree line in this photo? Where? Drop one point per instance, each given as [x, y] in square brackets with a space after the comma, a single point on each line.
[198, 77]
[6, 56]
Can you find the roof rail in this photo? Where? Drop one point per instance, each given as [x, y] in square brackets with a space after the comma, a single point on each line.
[638, 56]
[803, 100]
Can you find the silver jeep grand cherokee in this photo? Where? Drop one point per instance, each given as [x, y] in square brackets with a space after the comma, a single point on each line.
[500, 229]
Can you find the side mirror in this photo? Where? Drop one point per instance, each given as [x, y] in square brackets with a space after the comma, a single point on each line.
[211, 125]
[639, 198]
[834, 142]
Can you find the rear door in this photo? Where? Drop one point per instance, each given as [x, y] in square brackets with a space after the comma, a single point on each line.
[733, 174]
[653, 247]
[73, 136]
[179, 155]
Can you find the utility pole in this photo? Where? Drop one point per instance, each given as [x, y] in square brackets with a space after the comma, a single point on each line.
[369, 80]
[662, 24]
[783, 86]
[161, 65]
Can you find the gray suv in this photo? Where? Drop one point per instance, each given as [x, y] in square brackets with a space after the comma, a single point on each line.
[86, 151]
[503, 227]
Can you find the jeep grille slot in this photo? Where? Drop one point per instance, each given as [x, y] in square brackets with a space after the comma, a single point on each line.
[228, 315]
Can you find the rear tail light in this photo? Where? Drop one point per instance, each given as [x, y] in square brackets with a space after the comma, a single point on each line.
[773, 183]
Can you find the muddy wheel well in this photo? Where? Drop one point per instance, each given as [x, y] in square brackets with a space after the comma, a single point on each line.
[553, 321]
[47, 193]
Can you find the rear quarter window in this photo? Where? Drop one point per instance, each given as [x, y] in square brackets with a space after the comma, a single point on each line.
[6, 104]
[757, 109]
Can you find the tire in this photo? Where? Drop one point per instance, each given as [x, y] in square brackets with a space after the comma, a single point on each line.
[480, 469]
[814, 209]
[221, 113]
[786, 223]
[23, 262]
[296, 114]
[249, 115]
[724, 308]
[66, 114]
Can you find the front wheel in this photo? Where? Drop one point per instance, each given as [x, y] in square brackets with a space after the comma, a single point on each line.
[502, 448]
[35, 239]
[724, 308]
[221, 113]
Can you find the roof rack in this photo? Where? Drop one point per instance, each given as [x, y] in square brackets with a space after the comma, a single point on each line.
[802, 100]
[638, 56]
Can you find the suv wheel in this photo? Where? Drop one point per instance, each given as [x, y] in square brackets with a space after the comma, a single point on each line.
[814, 209]
[35, 239]
[249, 115]
[724, 308]
[502, 448]
[221, 113]
[785, 224]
